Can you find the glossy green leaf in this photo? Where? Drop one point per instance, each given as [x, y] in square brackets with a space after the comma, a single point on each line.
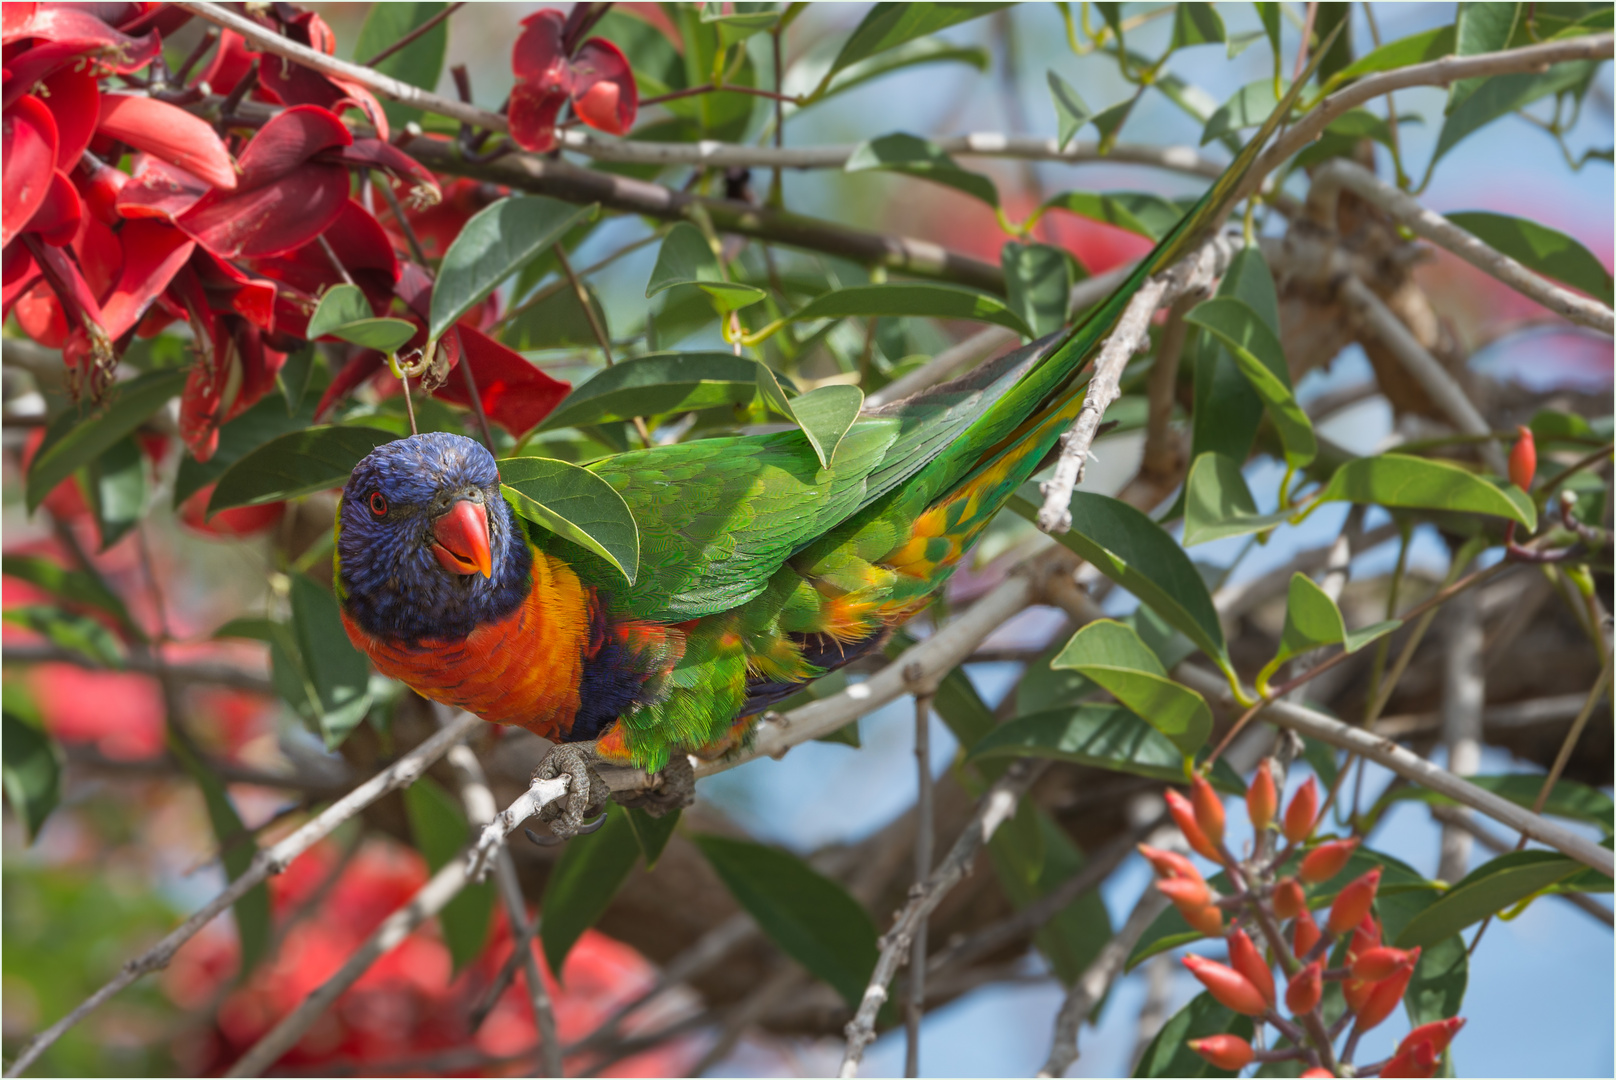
[1032, 857]
[1038, 284]
[591, 870]
[746, 20]
[1495, 886]
[67, 630]
[338, 672]
[1247, 108]
[1197, 24]
[294, 378]
[1105, 736]
[825, 414]
[239, 437]
[1109, 120]
[922, 50]
[1261, 358]
[1130, 549]
[1480, 28]
[652, 833]
[73, 586]
[574, 503]
[1071, 112]
[1227, 410]
[420, 63]
[439, 828]
[31, 768]
[1436, 990]
[1568, 799]
[1218, 504]
[115, 484]
[914, 156]
[1538, 247]
[928, 299]
[811, 918]
[889, 25]
[656, 384]
[1271, 17]
[497, 242]
[1114, 656]
[297, 463]
[344, 313]
[1169, 1054]
[1420, 48]
[1501, 95]
[74, 439]
[1422, 484]
[1312, 620]
[686, 259]
[555, 322]
[1148, 215]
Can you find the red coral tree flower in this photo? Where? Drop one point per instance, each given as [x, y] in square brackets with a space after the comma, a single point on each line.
[594, 76]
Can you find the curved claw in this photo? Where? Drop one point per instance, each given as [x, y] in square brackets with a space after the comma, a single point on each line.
[544, 841]
[591, 826]
[556, 841]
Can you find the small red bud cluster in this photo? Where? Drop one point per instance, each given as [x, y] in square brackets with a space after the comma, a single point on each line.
[1373, 975]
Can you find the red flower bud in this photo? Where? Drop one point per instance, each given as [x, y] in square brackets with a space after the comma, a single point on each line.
[1289, 899]
[1365, 936]
[1248, 960]
[1206, 920]
[1208, 809]
[1383, 996]
[1523, 459]
[1418, 1060]
[1185, 893]
[1302, 812]
[1305, 934]
[1184, 816]
[1227, 986]
[1261, 798]
[1439, 1033]
[1326, 861]
[1170, 864]
[1379, 963]
[1224, 1051]
[1352, 903]
[1305, 989]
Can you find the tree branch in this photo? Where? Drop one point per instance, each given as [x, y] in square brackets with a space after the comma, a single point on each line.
[144, 663]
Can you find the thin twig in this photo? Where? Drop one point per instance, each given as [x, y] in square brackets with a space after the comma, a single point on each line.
[1464, 692]
[1307, 41]
[205, 672]
[410, 37]
[924, 824]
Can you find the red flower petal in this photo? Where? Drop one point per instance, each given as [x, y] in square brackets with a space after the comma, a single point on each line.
[269, 219]
[532, 116]
[379, 154]
[158, 190]
[515, 394]
[360, 244]
[539, 54]
[57, 219]
[41, 317]
[28, 137]
[74, 99]
[17, 276]
[436, 227]
[231, 290]
[230, 64]
[153, 253]
[603, 91]
[288, 141]
[349, 379]
[100, 254]
[15, 21]
[170, 133]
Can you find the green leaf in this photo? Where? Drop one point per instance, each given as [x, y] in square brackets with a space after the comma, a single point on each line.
[656, 384]
[1538, 247]
[441, 833]
[1480, 28]
[1419, 48]
[825, 415]
[297, 463]
[31, 767]
[810, 917]
[72, 586]
[1436, 990]
[66, 630]
[591, 870]
[574, 503]
[747, 20]
[344, 313]
[1070, 110]
[420, 63]
[1227, 410]
[237, 438]
[1312, 620]
[1261, 357]
[1500, 95]
[1218, 504]
[1148, 215]
[1130, 549]
[652, 833]
[1568, 799]
[338, 672]
[1114, 656]
[1493, 887]
[498, 241]
[1038, 284]
[1104, 736]
[1249, 107]
[116, 485]
[1109, 120]
[1169, 1054]
[555, 322]
[915, 298]
[1196, 24]
[293, 378]
[887, 26]
[1422, 484]
[914, 156]
[1032, 857]
[922, 50]
[686, 259]
[75, 439]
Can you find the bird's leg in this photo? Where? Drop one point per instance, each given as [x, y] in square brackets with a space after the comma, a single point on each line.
[676, 791]
[585, 798]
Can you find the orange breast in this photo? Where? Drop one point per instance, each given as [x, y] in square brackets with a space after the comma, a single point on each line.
[524, 669]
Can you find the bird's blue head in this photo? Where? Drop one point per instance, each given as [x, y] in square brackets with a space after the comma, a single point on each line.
[427, 547]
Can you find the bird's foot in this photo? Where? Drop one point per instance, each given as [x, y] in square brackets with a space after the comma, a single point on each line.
[676, 790]
[585, 798]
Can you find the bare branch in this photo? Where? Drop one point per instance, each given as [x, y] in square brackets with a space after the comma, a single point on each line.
[1411, 767]
[214, 674]
[1464, 690]
[1338, 173]
[270, 860]
[925, 820]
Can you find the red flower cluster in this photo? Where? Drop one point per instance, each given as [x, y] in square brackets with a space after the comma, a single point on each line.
[124, 212]
[1373, 976]
[554, 67]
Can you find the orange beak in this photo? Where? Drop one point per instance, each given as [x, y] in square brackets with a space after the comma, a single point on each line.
[462, 536]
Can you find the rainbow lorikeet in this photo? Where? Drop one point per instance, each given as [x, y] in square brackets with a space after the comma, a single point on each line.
[760, 569]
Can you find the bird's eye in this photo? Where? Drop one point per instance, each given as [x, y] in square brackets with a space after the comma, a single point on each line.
[378, 504]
